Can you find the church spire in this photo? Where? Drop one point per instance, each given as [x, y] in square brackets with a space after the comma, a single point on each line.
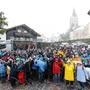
[74, 13]
[73, 21]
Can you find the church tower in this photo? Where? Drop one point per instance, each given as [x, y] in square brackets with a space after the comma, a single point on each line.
[73, 21]
[73, 24]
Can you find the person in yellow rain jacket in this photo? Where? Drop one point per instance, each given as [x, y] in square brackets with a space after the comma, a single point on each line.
[60, 52]
[69, 73]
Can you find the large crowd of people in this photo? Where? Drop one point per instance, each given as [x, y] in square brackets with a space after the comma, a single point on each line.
[58, 64]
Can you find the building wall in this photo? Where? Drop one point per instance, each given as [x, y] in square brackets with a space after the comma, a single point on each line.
[81, 33]
[78, 33]
[3, 37]
[87, 30]
[10, 34]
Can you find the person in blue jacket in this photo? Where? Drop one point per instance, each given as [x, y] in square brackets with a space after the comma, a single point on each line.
[42, 65]
[2, 71]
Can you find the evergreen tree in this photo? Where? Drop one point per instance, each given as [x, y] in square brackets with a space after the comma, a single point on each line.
[2, 23]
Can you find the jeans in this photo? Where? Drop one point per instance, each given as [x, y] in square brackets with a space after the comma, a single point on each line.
[13, 82]
[61, 77]
[56, 77]
[41, 76]
[82, 85]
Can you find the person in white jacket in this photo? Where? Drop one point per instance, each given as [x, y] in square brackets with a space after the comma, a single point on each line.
[81, 75]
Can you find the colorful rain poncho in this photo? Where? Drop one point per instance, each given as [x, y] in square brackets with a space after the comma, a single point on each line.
[86, 60]
[2, 70]
[18, 59]
[40, 64]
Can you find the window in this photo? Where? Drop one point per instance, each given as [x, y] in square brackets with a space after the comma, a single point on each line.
[31, 39]
[16, 38]
[2, 46]
[25, 31]
[11, 38]
[27, 39]
[22, 38]
[19, 30]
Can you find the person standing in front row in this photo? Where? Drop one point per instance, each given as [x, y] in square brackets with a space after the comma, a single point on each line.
[56, 71]
[81, 75]
[69, 73]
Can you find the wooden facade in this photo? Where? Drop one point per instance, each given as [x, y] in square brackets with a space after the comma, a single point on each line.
[22, 36]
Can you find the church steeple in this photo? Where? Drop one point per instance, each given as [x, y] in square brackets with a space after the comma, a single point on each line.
[73, 21]
[74, 13]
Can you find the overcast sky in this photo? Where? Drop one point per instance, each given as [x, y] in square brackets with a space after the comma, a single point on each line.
[47, 17]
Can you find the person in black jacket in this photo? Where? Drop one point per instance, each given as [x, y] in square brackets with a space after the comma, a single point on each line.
[13, 75]
[27, 70]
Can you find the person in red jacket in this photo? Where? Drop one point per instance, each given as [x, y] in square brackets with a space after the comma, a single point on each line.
[56, 70]
[60, 62]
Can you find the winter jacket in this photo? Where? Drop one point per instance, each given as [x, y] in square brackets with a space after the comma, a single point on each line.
[69, 72]
[41, 64]
[81, 74]
[2, 70]
[56, 68]
[8, 70]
